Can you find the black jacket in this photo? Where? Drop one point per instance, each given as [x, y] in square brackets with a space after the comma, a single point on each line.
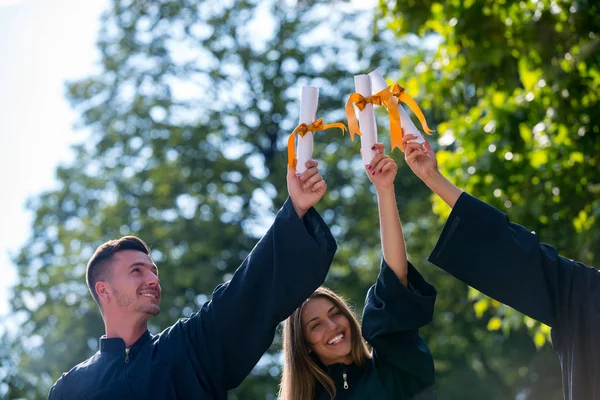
[204, 356]
[482, 248]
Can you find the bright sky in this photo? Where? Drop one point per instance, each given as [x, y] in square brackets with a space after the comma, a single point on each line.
[43, 43]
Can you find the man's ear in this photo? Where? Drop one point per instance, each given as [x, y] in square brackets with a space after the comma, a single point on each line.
[102, 290]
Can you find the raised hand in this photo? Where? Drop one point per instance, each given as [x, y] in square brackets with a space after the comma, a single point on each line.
[420, 158]
[306, 189]
[382, 169]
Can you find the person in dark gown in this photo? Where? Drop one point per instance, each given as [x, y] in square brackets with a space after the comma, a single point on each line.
[212, 351]
[481, 247]
[325, 356]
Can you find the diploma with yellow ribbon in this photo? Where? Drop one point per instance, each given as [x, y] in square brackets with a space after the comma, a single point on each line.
[394, 96]
[306, 129]
[365, 127]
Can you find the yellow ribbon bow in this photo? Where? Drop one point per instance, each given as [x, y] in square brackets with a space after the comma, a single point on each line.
[391, 100]
[383, 97]
[302, 130]
[361, 103]
[391, 103]
[400, 93]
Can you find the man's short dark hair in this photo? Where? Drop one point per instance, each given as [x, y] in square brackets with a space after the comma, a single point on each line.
[98, 267]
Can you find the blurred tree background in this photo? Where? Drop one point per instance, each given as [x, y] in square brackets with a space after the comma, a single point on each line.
[190, 112]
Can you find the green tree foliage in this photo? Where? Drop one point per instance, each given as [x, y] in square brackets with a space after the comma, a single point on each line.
[189, 114]
[514, 87]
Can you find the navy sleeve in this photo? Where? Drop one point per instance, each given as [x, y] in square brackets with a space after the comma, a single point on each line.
[232, 331]
[54, 393]
[392, 307]
[392, 316]
[482, 248]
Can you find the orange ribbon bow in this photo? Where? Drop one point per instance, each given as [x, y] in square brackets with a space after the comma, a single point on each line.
[302, 130]
[391, 100]
[391, 103]
[361, 103]
[382, 97]
[399, 93]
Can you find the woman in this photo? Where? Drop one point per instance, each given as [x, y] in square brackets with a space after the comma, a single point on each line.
[325, 355]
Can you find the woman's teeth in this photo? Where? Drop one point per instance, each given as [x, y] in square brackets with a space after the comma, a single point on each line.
[336, 339]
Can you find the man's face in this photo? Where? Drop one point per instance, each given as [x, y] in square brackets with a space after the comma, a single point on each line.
[134, 286]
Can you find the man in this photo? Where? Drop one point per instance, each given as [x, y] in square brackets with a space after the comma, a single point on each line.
[482, 248]
[203, 356]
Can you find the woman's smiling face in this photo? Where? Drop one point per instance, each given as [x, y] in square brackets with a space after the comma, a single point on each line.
[327, 331]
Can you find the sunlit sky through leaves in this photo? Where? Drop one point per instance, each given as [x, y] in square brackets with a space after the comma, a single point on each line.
[43, 44]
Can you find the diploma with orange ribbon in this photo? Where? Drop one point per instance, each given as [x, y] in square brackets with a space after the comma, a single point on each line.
[306, 129]
[392, 98]
[365, 126]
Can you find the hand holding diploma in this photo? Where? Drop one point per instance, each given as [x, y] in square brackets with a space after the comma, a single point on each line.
[420, 157]
[305, 189]
[382, 170]
[422, 161]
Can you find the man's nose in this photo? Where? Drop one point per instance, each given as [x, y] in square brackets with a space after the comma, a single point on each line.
[153, 280]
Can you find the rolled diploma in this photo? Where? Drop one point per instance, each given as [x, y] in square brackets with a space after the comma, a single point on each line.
[308, 111]
[408, 127]
[377, 85]
[366, 119]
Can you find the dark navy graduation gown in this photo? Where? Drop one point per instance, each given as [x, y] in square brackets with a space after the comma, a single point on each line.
[482, 248]
[203, 356]
[401, 366]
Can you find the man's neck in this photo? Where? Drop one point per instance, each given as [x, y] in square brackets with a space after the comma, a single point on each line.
[129, 331]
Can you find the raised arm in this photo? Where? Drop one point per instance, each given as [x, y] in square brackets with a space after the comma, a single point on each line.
[482, 248]
[400, 302]
[382, 172]
[231, 332]
[421, 160]
[55, 393]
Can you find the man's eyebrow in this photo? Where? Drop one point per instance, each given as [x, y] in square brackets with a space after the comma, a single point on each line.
[143, 264]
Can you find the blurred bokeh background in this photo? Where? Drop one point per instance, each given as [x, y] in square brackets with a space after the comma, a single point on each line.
[168, 120]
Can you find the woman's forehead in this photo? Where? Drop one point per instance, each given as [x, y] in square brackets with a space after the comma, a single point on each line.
[317, 305]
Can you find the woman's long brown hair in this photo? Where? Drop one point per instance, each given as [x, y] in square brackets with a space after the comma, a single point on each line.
[302, 370]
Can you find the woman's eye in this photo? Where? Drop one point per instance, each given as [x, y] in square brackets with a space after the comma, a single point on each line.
[135, 270]
[315, 325]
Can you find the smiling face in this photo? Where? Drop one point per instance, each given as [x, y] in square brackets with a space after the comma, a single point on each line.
[133, 287]
[327, 331]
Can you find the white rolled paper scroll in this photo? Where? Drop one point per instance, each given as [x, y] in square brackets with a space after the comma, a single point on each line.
[308, 112]
[377, 82]
[409, 128]
[366, 119]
